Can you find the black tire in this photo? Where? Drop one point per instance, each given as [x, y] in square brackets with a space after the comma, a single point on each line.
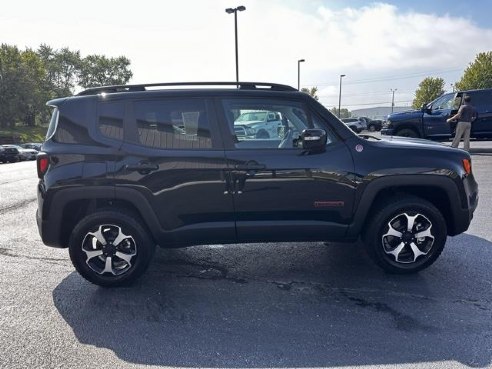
[262, 134]
[137, 246]
[407, 132]
[386, 250]
[371, 128]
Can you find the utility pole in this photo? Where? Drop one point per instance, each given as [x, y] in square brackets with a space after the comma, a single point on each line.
[231, 11]
[299, 73]
[393, 99]
[340, 95]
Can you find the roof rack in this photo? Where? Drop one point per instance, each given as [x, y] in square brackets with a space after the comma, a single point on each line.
[143, 87]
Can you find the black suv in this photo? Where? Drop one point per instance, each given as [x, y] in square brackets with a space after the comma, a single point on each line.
[125, 168]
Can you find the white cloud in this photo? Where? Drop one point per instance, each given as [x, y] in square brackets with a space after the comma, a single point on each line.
[194, 39]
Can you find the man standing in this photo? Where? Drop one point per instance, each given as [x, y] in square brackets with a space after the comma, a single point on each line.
[465, 115]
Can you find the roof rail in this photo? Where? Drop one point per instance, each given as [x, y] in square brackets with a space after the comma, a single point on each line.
[143, 87]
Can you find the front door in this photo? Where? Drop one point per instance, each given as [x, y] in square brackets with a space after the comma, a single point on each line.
[437, 112]
[280, 191]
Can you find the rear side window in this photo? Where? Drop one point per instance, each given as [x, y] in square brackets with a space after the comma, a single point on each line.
[482, 101]
[173, 124]
[111, 115]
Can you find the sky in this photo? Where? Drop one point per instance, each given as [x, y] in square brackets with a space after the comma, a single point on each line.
[379, 46]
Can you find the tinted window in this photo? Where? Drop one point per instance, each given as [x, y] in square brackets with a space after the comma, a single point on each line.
[53, 124]
[173, 124]
[285, 121]
[69, 132]
[482, 100]
[111, 115]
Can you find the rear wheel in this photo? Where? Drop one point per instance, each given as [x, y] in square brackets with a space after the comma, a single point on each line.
[406, 235]
[372, 128]
[110, 249]
[262, 134]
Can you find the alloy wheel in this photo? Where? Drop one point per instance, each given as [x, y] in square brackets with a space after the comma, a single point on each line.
[109, 250]
[408, 238]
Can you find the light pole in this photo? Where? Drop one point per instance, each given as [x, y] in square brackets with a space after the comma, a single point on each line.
[340, 95]
[393, 99]
[230, 11]
[299, 73]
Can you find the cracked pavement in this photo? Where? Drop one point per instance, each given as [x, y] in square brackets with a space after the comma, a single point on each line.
[257, 305]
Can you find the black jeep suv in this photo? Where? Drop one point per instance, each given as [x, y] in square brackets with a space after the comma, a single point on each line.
[125, 168]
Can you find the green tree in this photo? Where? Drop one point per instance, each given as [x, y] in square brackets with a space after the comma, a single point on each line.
[313, 92]
[428, 90]
[344, 113]
[62, 67]
[98, 70]
[478, 74]
[21, 93]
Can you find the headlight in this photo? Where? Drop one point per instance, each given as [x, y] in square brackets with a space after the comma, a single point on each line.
[387, 124]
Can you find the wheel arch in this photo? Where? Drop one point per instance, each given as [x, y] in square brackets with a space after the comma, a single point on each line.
[76, 203]
[438, 190]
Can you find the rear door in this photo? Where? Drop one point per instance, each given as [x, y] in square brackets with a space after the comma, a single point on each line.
[482, 101]
[173, 155]
[281, 192]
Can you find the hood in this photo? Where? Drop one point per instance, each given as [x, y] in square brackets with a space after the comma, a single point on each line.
[413, 143]
[404, 115]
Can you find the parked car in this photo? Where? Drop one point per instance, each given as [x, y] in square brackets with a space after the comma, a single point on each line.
[264, 124]
[9, 154]
[32, 145]
[374, 125]
[430, 121]
[119, 174]
[25, 154]
[355, 124]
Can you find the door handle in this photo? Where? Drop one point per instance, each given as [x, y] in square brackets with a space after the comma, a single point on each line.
[142, 167]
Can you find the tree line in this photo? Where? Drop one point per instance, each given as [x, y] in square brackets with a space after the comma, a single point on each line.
[29, 78]
[478, 75]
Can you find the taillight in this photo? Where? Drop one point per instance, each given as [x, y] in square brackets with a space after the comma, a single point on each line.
[43, 162]
[467, 166]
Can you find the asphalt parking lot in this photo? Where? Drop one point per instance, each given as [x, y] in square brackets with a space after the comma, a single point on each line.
[252, 306]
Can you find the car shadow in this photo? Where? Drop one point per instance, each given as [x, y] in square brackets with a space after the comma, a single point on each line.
[287, 305]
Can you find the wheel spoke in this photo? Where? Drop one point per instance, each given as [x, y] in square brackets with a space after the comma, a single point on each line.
[416, 251]
[92, 254]
[396, 251]
[410, 221]
[121, 236]
[126, 257]
[426, 233]
[99, 236]
[108, 266]
[392, 232]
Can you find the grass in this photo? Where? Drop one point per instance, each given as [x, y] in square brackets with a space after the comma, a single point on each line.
[25, 134]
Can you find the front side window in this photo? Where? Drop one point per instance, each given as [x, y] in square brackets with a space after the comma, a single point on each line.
[444, 102]
[173, 124]
[258, 124]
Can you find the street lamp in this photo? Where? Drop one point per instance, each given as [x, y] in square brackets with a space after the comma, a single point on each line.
[393, 99]
[299, 73]
[340, 95]
[230, 11]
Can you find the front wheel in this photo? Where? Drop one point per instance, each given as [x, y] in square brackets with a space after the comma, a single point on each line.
[407, 132]
[110, 249]
[406, 235]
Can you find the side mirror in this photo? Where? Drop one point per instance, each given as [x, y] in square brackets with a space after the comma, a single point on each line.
[313, 140]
